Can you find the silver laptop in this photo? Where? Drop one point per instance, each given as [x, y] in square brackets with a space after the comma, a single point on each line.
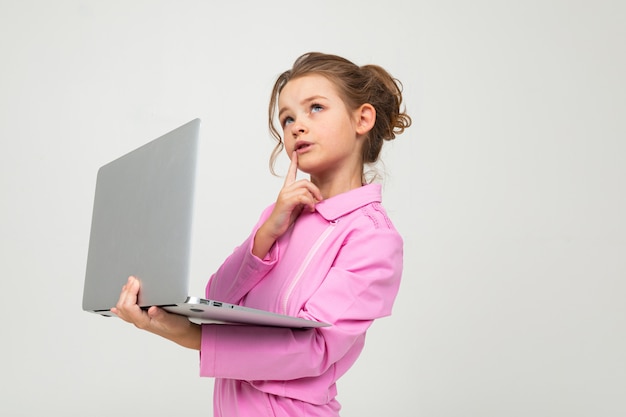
[142, 226]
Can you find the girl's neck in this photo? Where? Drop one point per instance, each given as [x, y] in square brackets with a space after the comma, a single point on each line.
[337, 186]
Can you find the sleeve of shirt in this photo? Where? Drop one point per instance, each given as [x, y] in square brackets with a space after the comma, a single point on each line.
[241, 271]
[360, 287]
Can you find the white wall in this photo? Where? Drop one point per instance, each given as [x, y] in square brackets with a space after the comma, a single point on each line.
[509, 190]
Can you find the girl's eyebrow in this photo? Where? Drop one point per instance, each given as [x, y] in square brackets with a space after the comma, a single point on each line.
[302, 103]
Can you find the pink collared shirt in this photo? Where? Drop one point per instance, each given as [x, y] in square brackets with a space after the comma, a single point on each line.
[340, 264]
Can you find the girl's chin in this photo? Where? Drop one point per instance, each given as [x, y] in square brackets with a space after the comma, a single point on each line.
[306, 168]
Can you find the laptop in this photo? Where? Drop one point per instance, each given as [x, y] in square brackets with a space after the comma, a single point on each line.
[142, 225]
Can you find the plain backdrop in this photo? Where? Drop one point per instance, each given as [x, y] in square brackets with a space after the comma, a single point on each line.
[509, 190]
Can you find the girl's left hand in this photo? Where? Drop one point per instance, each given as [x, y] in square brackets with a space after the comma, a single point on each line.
[174, 327]
[294, 197]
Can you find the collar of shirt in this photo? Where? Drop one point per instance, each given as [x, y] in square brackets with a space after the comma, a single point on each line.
[344, 203]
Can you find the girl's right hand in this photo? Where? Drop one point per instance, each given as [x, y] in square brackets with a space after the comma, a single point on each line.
[295, 196]
[156, 320]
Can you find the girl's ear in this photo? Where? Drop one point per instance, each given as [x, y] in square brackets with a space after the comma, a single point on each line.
[365, 118]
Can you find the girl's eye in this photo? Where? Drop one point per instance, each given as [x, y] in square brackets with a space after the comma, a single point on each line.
[316, 108]
[287, 120]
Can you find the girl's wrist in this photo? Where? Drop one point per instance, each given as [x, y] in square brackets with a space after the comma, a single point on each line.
[263, 242]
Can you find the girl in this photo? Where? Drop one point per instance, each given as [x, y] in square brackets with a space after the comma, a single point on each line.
[325, 250]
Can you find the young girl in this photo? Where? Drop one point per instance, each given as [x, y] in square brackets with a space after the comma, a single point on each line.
[325, 250]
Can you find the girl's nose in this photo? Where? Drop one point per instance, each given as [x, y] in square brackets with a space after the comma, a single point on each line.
[297, 128]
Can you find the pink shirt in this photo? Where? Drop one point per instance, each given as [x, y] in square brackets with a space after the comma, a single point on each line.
[342, 265]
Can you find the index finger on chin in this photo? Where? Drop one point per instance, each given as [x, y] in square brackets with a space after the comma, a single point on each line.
[293, 169]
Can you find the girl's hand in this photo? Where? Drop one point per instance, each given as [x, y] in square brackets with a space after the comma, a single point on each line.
[156, 320]
[294, 197]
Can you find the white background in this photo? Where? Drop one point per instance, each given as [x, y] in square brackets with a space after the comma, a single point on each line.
[510, 192]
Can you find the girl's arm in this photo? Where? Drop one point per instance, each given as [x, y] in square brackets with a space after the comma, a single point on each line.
[249, 263]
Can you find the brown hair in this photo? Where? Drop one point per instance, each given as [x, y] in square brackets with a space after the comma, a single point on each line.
[356, 85]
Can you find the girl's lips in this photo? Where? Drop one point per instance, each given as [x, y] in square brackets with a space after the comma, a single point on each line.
[302, 147]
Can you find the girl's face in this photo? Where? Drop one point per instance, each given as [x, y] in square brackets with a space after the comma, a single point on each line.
[319, 127]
